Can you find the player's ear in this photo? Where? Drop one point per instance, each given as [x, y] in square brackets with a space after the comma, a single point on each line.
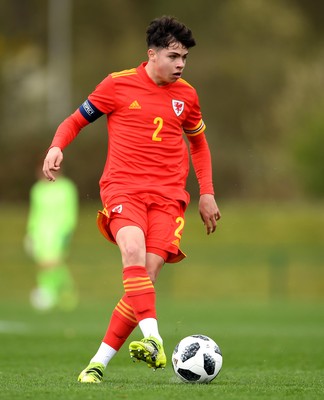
[151, 53]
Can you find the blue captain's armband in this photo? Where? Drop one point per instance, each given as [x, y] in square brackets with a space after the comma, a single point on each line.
[89, 111]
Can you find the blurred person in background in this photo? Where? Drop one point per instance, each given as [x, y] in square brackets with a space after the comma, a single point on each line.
[52, 220]
[149, 110]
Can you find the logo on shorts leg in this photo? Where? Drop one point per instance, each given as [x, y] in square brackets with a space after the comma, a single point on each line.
[118, 209]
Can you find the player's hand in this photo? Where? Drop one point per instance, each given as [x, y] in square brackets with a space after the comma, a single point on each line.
[209, 212]
[52, 162]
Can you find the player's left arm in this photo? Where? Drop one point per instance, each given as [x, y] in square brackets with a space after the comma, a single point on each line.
[201, 160]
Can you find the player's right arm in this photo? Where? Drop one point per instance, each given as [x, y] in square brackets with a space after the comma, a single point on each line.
[65, 134]
[98, 103]
[52, 162]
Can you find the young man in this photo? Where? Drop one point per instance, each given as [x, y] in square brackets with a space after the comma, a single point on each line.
[142, 187]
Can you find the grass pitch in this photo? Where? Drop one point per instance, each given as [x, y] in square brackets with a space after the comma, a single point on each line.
[256, 287]
[271, 351]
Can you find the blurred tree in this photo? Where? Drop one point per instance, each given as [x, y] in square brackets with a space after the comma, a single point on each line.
[308, 151]
[313, 11]
[299, 115]
[246, 67]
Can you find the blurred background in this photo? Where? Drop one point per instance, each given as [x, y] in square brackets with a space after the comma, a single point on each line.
[258, 69]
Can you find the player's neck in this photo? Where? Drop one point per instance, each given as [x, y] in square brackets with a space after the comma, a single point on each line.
[153, 76]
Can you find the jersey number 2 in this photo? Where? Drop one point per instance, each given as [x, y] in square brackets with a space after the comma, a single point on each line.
[159, 122]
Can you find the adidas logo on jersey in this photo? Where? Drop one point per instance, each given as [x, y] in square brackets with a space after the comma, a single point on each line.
[135, 105]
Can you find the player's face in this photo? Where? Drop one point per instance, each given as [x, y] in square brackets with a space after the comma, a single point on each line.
[166, 65]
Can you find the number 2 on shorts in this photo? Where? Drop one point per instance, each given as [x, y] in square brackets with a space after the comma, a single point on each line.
[179, 221]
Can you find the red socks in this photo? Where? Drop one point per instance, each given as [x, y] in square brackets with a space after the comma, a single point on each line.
[121, 324]
[137, 303]
[140, 292]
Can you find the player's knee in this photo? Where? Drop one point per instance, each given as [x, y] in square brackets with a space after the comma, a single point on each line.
[133, 255]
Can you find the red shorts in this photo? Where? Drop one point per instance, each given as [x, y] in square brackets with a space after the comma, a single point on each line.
[161, 220]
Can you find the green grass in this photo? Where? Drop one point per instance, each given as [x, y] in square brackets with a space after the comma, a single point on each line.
[256, 287]
[271, 351]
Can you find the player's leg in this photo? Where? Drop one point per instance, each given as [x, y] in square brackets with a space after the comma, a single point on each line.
[121, 325]
[137, 282]
[123, 319]
[138, 304]
[131, 242]
[150, 348]
[165, 225]
[137, 273]
[154, 264]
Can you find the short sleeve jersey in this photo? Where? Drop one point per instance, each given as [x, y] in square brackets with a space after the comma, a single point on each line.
[146, 125]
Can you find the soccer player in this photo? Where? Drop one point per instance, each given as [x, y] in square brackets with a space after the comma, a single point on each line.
[149, 110]
[52, 219]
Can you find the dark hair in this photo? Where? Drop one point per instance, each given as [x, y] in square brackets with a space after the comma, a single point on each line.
[163, 31]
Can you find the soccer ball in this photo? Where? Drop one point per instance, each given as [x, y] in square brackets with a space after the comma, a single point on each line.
[197, 359]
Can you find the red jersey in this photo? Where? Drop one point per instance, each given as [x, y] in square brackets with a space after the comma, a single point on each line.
[146, 125]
